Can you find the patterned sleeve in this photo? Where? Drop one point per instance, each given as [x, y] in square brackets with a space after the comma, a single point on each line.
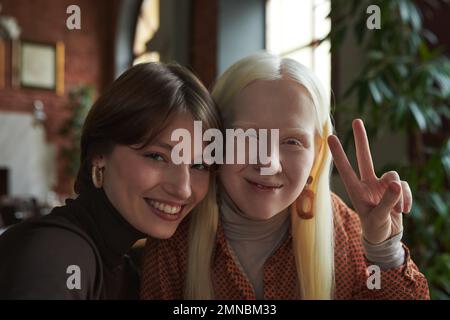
[402, 283]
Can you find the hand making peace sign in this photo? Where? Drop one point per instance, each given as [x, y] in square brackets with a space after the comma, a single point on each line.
[379, 202]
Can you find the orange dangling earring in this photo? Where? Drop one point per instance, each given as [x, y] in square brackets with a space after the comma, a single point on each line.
[97, 176]
[304, 204]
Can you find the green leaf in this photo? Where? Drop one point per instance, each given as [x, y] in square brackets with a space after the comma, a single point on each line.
[384, 88]
[418, 115]
[445, 158]
[415, 16]
[375, 92]
[410, 15]
[433, 119]
[430, 36]
[375, 55]
[438, 204]
[444, 111]
[401, 69]
[403, 8]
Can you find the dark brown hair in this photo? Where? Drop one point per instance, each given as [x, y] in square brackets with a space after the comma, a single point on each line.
[137, 106]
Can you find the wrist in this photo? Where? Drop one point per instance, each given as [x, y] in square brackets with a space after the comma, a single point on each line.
[387, 254]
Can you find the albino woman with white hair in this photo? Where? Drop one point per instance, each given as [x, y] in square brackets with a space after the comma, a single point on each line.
[286, 235]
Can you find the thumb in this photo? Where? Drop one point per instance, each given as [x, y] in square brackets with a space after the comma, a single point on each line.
[389, 200]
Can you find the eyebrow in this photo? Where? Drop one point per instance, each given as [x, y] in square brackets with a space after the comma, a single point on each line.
[251, 125]
[166, 146]
[163, 145]
[298, 130]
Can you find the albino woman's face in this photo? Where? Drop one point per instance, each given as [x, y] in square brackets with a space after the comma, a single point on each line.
[148, 189]
[285, 105]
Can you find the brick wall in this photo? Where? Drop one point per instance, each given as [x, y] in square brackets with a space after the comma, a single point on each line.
[88, 57]
[89, 54]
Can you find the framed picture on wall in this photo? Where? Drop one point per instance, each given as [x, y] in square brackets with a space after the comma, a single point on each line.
[42, 65]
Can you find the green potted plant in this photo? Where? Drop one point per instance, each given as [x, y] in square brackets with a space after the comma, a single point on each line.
[80, 101]
[404, 86]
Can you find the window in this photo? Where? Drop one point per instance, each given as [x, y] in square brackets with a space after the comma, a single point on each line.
[146, 27]
[292, 26]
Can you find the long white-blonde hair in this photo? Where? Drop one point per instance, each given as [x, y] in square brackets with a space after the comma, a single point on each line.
[313, 238]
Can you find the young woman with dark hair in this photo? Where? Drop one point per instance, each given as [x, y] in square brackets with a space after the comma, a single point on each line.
[128, 188]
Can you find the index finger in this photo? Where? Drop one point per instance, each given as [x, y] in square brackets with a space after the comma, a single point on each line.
[363, 155]
[344, 167]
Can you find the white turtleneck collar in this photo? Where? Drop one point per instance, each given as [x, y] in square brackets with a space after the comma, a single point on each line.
[251, 240]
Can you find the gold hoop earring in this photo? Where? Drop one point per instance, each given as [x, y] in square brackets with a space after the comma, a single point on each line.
[97, 176]
[304, 204]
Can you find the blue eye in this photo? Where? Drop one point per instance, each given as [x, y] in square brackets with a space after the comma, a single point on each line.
[201, 166]
[154, 156]
[293, 142]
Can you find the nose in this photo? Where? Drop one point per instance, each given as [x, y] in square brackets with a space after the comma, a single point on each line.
[178, 182]
[271, 168]
[269, 155]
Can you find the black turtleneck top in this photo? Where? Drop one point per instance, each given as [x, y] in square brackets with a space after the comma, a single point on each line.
[78, 251]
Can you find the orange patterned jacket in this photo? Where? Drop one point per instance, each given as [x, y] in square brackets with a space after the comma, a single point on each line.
[165, 265]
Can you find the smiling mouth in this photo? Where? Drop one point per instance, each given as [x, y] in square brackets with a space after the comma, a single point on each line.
[264, 186]
[164, 207]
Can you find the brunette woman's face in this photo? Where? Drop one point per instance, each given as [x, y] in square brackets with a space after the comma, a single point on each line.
[148, 189]
[284, 105]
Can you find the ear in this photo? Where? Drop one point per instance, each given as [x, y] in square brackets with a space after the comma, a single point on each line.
[99, 161]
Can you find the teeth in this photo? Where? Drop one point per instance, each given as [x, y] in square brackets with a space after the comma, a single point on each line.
[164, 207]
[266, 187]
